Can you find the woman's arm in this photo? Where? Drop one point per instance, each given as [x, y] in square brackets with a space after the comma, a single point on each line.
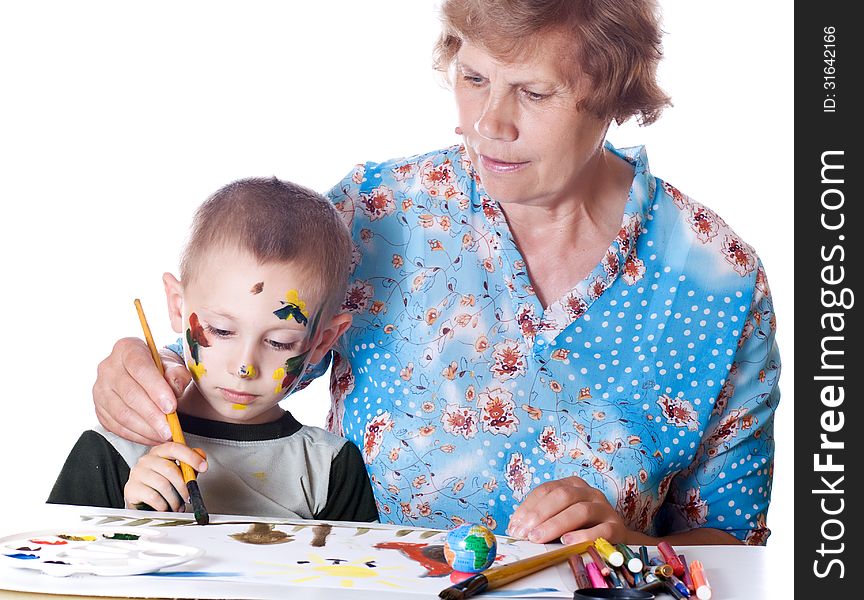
[132, 398]
[723, 497]
[728, 486]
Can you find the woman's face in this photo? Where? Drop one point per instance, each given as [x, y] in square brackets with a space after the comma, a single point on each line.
[522, 130]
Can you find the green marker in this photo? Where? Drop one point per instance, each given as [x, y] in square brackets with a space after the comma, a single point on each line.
[633, 562]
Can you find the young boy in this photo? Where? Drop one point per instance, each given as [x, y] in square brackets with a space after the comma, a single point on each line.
[261, 284]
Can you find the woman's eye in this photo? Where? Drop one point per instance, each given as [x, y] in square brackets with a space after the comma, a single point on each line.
[473, 79]
[219, 332]
[533, 95]
[281, 346]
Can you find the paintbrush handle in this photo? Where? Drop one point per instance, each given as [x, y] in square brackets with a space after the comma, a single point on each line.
[202, 517]
[177, 436]
[498, 576]
[173, 421]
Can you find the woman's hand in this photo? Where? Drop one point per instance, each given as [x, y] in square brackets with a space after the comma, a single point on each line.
[156, 480]
[568, 509]
[130, 395]
[573, 511]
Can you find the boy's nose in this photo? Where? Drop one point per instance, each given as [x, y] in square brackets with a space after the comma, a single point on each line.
[247, 371]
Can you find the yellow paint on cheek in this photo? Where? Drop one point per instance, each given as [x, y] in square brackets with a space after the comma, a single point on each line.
[239, 406]
[279, 376]
[197, 371]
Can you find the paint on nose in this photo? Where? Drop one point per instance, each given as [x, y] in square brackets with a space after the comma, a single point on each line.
[246, 372]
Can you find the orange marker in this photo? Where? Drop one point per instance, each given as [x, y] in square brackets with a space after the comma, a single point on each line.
[671, 558]
[703, 590]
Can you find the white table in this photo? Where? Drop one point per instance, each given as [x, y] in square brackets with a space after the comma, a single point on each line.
[735, 572]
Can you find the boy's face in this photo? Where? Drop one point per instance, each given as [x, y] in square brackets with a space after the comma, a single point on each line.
[249, 330]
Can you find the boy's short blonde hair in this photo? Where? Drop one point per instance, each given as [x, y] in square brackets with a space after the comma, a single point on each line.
[276, 221]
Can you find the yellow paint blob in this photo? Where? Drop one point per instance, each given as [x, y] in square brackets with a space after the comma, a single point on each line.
[239, 406]
[279, 376]
[260, 475]
[352, 571]
[348, 574]
[293, 297]
[197, 370]
[78, 538]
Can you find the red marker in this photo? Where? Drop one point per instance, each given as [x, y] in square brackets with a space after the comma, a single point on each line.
[671, 558]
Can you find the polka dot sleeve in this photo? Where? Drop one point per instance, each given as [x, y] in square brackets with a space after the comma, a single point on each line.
[728, 486]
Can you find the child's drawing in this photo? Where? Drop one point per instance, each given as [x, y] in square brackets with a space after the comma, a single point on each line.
[249, 554]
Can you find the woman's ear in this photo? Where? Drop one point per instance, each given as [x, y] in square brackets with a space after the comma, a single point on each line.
[328, 336]
[174, 296]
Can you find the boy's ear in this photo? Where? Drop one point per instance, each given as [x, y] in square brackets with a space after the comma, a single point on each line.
[328, 336]
[174, 296]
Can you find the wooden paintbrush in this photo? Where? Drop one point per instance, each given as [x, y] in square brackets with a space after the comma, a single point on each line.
[495, 577]
[202, 517]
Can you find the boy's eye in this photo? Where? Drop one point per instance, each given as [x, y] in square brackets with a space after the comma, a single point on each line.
[281, 346]
[219, 332]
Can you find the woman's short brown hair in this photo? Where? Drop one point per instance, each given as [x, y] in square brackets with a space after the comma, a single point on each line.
[616, 43]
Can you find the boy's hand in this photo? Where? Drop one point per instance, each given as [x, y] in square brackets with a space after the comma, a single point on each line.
[156, 480]
[131, 397]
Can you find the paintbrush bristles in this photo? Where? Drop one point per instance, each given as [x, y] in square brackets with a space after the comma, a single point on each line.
[466, 588]
[495, 577]
[202, 517]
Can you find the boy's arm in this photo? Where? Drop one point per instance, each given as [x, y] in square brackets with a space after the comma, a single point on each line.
[349, 497]
[94, 474]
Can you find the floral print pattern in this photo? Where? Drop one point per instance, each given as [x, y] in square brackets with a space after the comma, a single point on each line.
[497, 411]
[654, 378]
[678, 412]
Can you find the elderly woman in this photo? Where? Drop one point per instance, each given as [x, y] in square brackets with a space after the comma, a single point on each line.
[547, 338]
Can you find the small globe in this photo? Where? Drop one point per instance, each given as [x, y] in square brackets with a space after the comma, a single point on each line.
[470, 548]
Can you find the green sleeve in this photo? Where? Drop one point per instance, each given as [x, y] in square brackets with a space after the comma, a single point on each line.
[349, 497]
[94, 475]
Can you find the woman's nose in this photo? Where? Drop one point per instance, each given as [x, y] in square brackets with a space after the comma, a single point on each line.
[496, 121]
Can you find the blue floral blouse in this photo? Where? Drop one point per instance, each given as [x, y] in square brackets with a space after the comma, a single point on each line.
[654, 379]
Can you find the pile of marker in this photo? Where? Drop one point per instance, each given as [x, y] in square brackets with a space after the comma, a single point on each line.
[619, 567]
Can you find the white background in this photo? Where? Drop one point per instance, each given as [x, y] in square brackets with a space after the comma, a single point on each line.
[118, 119]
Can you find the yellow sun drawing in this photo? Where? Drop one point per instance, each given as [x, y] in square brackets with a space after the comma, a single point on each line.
[349, 572]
